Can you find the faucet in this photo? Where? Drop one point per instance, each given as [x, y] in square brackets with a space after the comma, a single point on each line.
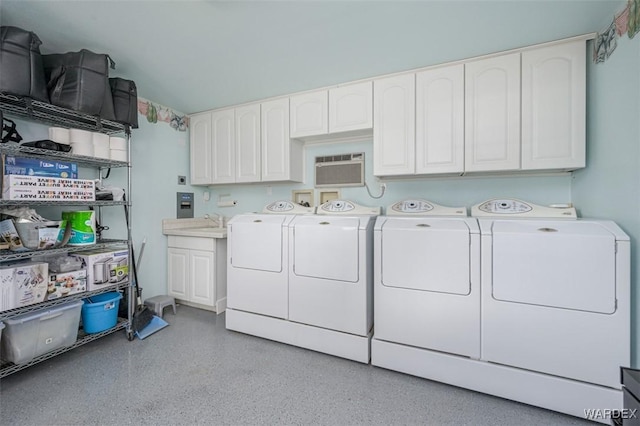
[218, 218]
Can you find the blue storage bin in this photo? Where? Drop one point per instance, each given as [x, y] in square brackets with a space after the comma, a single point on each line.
[100, 312]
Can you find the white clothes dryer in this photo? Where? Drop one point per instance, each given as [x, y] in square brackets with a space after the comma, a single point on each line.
[427, 278]
[331, 270]
[555, 292]
[257, 259]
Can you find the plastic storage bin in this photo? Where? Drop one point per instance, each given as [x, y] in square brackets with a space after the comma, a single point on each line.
[100, 312]
[33, 334]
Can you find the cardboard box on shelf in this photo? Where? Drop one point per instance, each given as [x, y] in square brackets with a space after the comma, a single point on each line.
[7, 289]
[30, 280]
[66, 283]
[17, 187]
[13, 165]
[104, 267]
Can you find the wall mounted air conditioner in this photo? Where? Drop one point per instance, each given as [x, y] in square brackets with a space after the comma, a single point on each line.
[340, 170]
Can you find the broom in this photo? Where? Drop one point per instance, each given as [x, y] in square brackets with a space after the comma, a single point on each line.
[142, 315]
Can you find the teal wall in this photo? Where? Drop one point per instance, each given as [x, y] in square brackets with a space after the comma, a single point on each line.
[608, 188]
[459, 191]
[610, 185]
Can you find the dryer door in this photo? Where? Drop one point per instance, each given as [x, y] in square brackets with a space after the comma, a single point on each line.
[257, 242]
[326, 247]
[427, 254]
[561, 264]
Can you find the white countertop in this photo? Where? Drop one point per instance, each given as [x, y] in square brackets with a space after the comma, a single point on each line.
[204, 228]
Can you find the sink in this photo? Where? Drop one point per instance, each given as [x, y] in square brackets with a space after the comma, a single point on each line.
[209, 231]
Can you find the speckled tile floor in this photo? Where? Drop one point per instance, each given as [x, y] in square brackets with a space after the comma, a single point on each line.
[197, 372]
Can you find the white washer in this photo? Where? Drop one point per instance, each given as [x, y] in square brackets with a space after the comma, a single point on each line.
[331, 272]
[555, 312]
[555, 291]
[257, 253]
[427, 278]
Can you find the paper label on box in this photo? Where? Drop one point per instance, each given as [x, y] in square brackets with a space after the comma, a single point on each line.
[66, 283]
[39, 167]
[16, 187]
[30, 281]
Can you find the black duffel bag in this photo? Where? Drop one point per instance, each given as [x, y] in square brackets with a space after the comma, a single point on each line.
[80, 81]
[125, 101]
[21, 70]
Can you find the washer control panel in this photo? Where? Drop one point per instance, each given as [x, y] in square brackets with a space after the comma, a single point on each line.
[516, 208]
[412, 206]
[286, 207]
[505, 207]
[346, 207]
[418, 207]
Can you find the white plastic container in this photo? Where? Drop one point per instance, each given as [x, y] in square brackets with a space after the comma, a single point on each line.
[116, 142]
[101, 145]
[82, 148]
[80, 136]
[59, 134]
[33, 334]
[118, 155]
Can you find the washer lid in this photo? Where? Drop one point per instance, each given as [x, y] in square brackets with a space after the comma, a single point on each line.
[286, 207]
[512, 208]
[256, 241]
[327, 247]
[346, 207]
[419, 207]
[427, 253]
[554, 263]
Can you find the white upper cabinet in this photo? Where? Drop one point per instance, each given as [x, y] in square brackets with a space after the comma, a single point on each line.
[553, 107]
[200, 148]
[248, 143]
[492, 114]
[351, 107]
[282, 157]
[309, 114]
[440, 120]
[223, 146]
[394, 125]
[337, 110]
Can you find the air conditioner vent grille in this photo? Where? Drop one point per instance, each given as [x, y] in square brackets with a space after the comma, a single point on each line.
[340, 170]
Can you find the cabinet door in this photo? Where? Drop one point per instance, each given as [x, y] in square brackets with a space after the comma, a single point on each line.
[248, 143]
[275, 140]
[309, 114]
[553, 107]
[178, 273]
[200, 148]
[223, 146]
[201, 269]
[394, 130]
[440, 120]
[492, 114]
[351, 107]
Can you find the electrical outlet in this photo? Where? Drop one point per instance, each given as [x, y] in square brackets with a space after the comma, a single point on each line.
[182, 180]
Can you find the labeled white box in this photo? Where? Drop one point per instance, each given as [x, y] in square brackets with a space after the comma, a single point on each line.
[104, 267]
[66, 283]
[18, 187]
[30, 280]
[7, 289]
